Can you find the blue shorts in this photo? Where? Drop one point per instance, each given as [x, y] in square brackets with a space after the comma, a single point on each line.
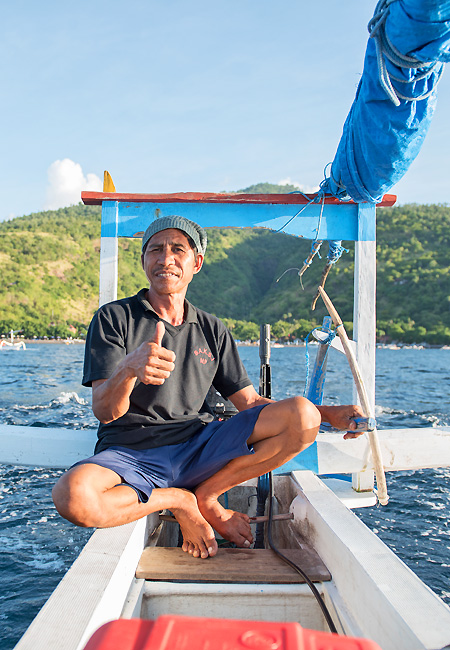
[186, 464]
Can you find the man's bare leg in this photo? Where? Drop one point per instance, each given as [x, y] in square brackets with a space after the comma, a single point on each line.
[282, 431]
[90, 495]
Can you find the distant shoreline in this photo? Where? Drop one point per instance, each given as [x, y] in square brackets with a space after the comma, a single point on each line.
[379, 346]
[65, 341]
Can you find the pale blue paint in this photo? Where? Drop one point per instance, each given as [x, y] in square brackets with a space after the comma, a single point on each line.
[339, 222]
[308, 459]
[110, 219]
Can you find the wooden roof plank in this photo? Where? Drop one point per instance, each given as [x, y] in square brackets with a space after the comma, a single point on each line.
[97, 198]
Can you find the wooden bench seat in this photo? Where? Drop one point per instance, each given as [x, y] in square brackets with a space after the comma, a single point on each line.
[236, 565]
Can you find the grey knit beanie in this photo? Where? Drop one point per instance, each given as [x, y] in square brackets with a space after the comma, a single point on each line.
[190, 228]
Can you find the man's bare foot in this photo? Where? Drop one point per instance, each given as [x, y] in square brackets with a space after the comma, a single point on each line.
[198, 536]
[233, 526]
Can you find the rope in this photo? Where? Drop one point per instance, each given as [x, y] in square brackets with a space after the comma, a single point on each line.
[315, 199]
[335, 251]
[294, 268]
[307, 364]
[335, 247]
[386, 50]
[320, 196]
[320, 215]
[327, 342]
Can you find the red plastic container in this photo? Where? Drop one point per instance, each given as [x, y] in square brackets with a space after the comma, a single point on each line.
[186, 633]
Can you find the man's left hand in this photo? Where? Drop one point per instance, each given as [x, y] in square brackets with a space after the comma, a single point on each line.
[342, 417]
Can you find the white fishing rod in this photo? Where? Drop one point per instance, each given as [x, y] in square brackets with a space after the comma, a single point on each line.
[374, 442]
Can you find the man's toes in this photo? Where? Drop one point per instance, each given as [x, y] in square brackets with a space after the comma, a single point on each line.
[212, 548]
[200, 550]
[244, 544]
[243, 541]
[188, 547]
[203, 550]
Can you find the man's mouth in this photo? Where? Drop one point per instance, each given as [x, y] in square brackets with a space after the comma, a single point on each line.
[166, 274]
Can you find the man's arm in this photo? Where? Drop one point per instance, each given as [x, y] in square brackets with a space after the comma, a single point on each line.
[247, 397]
[150, 363]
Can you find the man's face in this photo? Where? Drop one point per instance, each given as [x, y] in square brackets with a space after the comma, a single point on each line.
[169, 262]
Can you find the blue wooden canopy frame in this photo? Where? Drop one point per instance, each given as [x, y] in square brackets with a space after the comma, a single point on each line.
[308, 216]
[128, 215]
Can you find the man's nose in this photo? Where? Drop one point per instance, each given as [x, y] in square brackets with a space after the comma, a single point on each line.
[166, 255]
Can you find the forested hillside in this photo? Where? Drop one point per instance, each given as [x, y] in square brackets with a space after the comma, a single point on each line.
[49, 265]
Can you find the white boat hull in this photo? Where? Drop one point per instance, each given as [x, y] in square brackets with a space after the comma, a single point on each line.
[371, 594]
[5, 345]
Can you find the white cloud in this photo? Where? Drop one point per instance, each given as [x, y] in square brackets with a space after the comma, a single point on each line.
[307, 189]
[288, 181]
[65, 183]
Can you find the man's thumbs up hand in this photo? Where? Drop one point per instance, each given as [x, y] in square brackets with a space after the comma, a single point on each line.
[159, 333]
[151, 362]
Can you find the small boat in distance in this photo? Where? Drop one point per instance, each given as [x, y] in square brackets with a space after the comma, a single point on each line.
[11, 344]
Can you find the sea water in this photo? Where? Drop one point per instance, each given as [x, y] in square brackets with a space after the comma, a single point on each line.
[41, 387]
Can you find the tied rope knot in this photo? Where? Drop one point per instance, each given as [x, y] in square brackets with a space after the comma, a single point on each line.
[315, 250]
[335, 247]
[335, 251]
[386, 50]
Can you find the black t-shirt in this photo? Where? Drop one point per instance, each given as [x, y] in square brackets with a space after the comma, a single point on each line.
[171, 413]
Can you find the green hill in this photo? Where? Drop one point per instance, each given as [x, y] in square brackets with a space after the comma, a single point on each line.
[49, 264]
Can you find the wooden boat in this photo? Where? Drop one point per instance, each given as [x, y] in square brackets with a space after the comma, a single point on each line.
[137, 570]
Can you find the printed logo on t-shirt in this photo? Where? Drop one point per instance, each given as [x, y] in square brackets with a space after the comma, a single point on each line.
[204, 355]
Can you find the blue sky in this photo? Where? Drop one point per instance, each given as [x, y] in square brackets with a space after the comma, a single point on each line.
[185, 96]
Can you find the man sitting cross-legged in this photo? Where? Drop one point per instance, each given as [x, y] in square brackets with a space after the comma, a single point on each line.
[151, 360]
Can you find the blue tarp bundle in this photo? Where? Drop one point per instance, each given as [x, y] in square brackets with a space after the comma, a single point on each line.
[384, 131]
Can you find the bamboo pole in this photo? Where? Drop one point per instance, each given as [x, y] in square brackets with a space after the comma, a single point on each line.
[383, 497]
[323, 279]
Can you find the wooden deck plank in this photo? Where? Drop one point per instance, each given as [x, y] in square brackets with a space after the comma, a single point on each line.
[231, 565]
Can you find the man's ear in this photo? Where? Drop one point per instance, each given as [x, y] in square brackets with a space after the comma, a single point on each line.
[198, 263]
[142, 259]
